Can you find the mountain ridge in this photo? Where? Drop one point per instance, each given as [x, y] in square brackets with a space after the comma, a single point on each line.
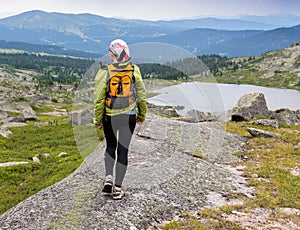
[93, 33]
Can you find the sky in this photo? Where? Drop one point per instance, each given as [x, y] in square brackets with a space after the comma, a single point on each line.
[154, 9]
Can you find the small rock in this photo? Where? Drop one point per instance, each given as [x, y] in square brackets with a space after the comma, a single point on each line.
[39, 124]
[295, 171]
[262, 133]
[46, 155]
[286, 116]
[36, 160]
[62, 154]
[238, 213]
[5, 132]
[290, 211]
[254, 176]
[7, 164]
[39, 156]
[267, 122]
[297, 146]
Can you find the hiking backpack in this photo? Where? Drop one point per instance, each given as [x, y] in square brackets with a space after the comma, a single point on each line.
[120, 93]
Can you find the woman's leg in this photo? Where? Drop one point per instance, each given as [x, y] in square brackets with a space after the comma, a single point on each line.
[126, 128]
[111, 145]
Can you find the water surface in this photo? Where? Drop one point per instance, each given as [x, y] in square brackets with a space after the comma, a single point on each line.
[215, 97]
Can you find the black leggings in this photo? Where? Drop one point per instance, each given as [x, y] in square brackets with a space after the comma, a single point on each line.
[118, 131]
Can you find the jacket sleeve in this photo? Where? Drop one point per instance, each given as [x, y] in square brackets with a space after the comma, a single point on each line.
[141, 95]
[100, 95]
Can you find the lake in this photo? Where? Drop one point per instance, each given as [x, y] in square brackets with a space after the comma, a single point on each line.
[215, 97]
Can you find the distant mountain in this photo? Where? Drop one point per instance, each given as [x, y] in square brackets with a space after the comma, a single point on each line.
[249, 35]
[202, 41]
[258, 43]
[49, 49]
[233, 43]
[218, 23]
[280, 20]
[81, 31]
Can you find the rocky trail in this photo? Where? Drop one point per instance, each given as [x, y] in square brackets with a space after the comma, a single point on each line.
[164, 179]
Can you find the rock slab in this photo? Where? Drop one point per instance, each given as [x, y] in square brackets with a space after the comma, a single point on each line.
[163, 179]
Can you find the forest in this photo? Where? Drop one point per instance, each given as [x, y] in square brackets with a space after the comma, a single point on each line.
[70, 70]
[59, 69]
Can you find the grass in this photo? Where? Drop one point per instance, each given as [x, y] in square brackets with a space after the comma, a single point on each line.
[19, 182]
[272, 161]
[212, 222]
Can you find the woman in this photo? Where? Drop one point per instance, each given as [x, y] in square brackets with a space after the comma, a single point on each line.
[120, 104]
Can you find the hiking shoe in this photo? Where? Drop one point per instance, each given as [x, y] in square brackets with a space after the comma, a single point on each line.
[118, 193]
[108, 184]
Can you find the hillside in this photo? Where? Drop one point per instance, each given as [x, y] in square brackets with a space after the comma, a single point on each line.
[279, 69]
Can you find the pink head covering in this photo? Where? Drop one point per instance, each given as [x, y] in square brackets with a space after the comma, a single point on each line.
[120, 49]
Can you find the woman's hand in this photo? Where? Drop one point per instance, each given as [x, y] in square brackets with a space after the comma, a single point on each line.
[139, 122]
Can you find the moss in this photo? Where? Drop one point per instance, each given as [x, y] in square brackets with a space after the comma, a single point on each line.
[198, 155]
[75, 212]
[13, 114]
[20, 99]
[211, 222]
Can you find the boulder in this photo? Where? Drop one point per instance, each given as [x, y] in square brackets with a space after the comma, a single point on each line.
[82, 117]
[170, 112]
[23, 108]
[249, 106]
[195, 116]
[38, 98]
[19, 118]
[286, 116]
[27, 111]
[262, 133]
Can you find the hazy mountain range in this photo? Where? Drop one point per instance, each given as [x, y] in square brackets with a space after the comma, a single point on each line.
[248, 35]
